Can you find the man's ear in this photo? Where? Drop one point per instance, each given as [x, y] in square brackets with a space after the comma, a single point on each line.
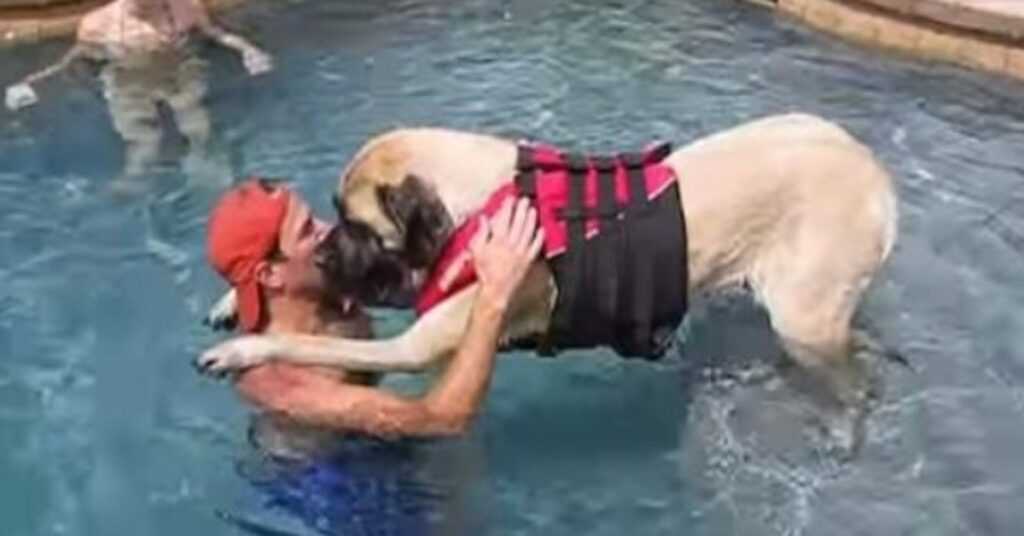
[269, 274]
[419, 216]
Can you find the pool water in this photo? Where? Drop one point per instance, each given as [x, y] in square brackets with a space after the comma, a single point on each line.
[106, 429]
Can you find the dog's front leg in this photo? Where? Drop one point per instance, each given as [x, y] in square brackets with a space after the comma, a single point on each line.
[433, 337]
[224, 314]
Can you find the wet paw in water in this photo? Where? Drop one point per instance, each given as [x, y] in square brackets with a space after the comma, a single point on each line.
[840, 426]
[838, 432]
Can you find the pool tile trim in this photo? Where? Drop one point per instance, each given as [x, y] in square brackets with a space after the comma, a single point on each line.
[982, 34]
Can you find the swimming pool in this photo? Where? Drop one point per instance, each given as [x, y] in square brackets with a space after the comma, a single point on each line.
[106, 429]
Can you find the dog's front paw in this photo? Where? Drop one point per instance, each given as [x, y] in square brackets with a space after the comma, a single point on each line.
[224, 314]
[236, 355]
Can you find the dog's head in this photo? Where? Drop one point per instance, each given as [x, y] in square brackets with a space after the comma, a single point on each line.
[387, 237]
[355, 264]
[407, 215]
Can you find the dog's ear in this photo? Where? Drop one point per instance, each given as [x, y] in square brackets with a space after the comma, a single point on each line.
[339, 207]
[422, 220]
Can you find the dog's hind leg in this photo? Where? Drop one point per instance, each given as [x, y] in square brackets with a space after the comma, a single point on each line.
[811, 286]
[814, 329]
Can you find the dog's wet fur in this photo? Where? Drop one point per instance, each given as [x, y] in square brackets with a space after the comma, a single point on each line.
[356, 263]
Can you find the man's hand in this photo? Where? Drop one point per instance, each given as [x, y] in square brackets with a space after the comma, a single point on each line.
[256, 61]
[20, 96]
[504, 248]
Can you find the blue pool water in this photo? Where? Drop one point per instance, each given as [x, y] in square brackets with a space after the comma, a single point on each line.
[105, 429]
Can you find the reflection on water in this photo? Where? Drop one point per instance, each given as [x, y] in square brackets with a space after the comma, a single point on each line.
[145, 54]
[135, 94]
[108, 431]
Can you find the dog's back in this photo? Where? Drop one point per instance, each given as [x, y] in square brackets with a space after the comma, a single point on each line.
[463, 168]
[754, 188]
[792, 206]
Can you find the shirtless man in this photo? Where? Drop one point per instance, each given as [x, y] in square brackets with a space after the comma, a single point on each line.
[144, 46]
[264, 240]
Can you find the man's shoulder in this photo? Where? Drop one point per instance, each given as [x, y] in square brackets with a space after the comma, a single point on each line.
[100, 22]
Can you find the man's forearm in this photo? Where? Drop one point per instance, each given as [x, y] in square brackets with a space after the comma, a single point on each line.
[236, 42]
[460, 391]
[228, 39]
[447, 409]
[82, 50]
[69, 57]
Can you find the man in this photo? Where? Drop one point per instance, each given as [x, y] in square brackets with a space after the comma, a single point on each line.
[149, 59]
[264, 240]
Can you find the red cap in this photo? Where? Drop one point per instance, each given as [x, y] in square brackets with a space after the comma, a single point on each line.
[243, 230]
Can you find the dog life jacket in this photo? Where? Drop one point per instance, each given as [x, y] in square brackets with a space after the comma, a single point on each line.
[615, 241]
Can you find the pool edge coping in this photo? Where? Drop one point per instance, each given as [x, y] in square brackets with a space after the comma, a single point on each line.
[878, 24]
[919, 28]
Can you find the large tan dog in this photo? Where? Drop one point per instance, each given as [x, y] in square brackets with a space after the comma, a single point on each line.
[790, 206]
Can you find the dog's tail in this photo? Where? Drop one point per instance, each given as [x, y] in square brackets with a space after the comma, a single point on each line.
[892, 223]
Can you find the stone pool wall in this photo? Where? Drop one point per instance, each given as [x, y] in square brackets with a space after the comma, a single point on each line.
[982, 34]
[34, 20]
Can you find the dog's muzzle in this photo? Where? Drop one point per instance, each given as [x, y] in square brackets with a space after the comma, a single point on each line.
[356, 265]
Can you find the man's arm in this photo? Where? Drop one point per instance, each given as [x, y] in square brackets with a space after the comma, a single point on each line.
[224, 37]
[305, 395]
[21, 94]
[69, 57]
[255, 60]
[88, 38]
[79, 51]
[449, 407]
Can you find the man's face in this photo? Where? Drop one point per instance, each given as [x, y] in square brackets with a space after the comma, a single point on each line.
[300, 234]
